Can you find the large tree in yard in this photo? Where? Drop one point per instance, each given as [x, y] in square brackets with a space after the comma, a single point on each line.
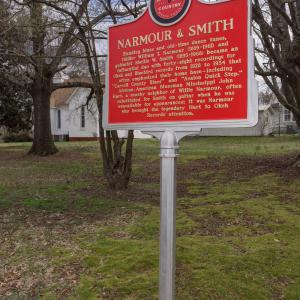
[56, 30]
[116, 152]
[38, 40]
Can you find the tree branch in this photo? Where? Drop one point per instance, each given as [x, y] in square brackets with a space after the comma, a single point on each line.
[293, 25]
[65, 85]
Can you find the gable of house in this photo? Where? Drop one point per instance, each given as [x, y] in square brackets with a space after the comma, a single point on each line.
[70, 117]
[62, 97]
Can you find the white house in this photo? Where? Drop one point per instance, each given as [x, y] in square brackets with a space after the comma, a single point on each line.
[263, 127]
[73, 119]
[283, 120]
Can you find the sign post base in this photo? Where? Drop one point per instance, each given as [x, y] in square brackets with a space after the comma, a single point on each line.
[167, 264]
[169, 148]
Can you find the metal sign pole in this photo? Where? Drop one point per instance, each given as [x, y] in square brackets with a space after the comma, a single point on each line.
[168, 153]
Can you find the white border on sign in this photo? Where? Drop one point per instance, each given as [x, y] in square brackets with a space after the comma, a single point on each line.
[252, 93]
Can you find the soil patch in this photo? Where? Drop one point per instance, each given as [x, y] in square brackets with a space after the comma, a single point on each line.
[242, 167]
[215, 224]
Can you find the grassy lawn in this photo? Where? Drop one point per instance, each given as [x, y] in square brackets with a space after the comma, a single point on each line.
[63, 235]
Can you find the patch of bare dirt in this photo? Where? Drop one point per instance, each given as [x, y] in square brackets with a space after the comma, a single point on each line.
[19, 282]
[242, 167]
[215, 170]
[278, 285]
[21, 155]
[215, 224]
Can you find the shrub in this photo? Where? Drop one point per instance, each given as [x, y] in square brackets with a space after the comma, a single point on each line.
[21, 137]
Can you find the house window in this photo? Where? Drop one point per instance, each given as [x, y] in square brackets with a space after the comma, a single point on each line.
[287, 115]
[58, 119]
[82, 117]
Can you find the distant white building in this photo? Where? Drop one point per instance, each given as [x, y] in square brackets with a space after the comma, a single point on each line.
[263, 127]
[283, 120]
[72, 119]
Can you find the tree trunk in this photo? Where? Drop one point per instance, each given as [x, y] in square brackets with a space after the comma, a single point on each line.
[116, 166]
[43, 143]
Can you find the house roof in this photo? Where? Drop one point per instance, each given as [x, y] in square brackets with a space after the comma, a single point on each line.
[61, 96]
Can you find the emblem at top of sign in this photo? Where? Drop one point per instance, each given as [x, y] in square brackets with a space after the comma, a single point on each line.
[168, 12]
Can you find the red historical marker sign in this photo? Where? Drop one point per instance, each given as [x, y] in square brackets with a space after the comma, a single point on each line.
[182, 63]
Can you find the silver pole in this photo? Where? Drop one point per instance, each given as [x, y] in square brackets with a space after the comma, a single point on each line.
[168, 153]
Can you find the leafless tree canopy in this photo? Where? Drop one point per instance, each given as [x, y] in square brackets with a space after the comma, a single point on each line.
[116, 161]
[277, 26]
[46, 38]
[55, 36]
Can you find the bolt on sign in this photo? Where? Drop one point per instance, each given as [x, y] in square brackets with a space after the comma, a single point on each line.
[182, 64]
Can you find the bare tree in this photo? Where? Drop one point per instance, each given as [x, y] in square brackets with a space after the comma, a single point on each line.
[117, 166]
[266, 97]
[117, 161]
[277, 26]
[42, 39]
